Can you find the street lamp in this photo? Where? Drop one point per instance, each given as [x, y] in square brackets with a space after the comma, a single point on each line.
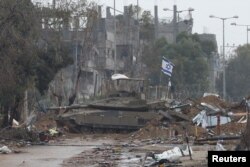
[243, 25]
[223, 53]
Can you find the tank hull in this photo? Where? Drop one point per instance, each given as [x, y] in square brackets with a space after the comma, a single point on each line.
[95, 119]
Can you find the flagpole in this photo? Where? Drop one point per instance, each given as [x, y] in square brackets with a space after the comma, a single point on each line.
[169, 88]
[160, 85]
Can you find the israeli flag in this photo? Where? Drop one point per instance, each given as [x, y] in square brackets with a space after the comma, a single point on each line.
[167, 67]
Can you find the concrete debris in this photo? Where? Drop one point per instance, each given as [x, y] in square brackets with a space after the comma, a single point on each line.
[219, 146]
[212, 110]
[243, 120]
[15, 123]
[172, 155]
[5, 150]
[210, 94]
[203, 120]
[206, 117]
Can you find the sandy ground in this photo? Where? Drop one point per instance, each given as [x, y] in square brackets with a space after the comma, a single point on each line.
[106, 150]
[124, 153]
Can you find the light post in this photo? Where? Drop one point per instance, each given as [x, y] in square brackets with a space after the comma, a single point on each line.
[223, 52]
[243, 25]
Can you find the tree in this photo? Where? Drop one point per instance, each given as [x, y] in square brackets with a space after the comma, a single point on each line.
[26, 59]
[190, 72]
[17, 53]
[191, 65]
[237, 74]
[152, 56]
[146, 27]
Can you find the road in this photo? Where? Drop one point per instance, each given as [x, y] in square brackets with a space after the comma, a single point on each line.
[94, 151]
[49, 156]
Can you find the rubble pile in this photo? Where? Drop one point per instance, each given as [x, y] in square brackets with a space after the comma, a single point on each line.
[45, 121]
[212, 100]
[156, 129]
[231, 128]
[14, 138]
[152, 130]
[216, 101]
[160, 128]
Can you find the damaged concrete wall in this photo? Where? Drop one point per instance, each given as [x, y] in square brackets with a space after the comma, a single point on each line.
[62, 87]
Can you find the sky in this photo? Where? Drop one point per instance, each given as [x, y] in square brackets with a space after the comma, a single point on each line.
[234, 35]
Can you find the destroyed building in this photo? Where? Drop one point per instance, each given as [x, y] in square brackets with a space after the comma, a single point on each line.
[173, 27]
[105, 48]
[98, 51]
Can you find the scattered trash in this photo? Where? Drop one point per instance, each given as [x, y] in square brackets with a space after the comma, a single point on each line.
[210, 94]
[242, 120]
[203, 120]
[15, 123]
[5, 150]
[172, 155]
[219, 146]
[53, 132]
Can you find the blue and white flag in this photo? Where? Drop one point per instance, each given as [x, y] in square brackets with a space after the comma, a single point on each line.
[167, 67]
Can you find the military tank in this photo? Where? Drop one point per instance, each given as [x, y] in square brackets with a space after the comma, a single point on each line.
[124, 109]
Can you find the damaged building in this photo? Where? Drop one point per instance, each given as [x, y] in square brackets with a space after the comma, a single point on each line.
[99, 50]
[176, 25]
[103, 48]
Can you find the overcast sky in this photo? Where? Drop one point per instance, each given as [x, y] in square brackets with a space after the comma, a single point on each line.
[202, 9]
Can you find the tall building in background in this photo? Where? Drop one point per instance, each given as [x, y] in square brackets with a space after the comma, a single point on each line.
[170, 30]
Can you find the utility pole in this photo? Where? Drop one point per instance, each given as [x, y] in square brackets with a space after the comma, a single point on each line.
[175, 26]
[138, 44]
[224, 62]
[115, 63]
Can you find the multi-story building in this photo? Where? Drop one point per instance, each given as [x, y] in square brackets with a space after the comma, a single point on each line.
[99, 50]
[170, 30]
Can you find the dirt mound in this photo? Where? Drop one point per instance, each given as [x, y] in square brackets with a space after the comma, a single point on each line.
[156, 129]
[45, 121]
[231, 128]
[216, 101]
[212, 100]
[150, 131]
[192, 112]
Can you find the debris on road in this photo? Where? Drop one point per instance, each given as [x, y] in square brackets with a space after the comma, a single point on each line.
[5, 150]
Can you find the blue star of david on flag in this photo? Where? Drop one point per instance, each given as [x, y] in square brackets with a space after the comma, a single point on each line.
[167, 67]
